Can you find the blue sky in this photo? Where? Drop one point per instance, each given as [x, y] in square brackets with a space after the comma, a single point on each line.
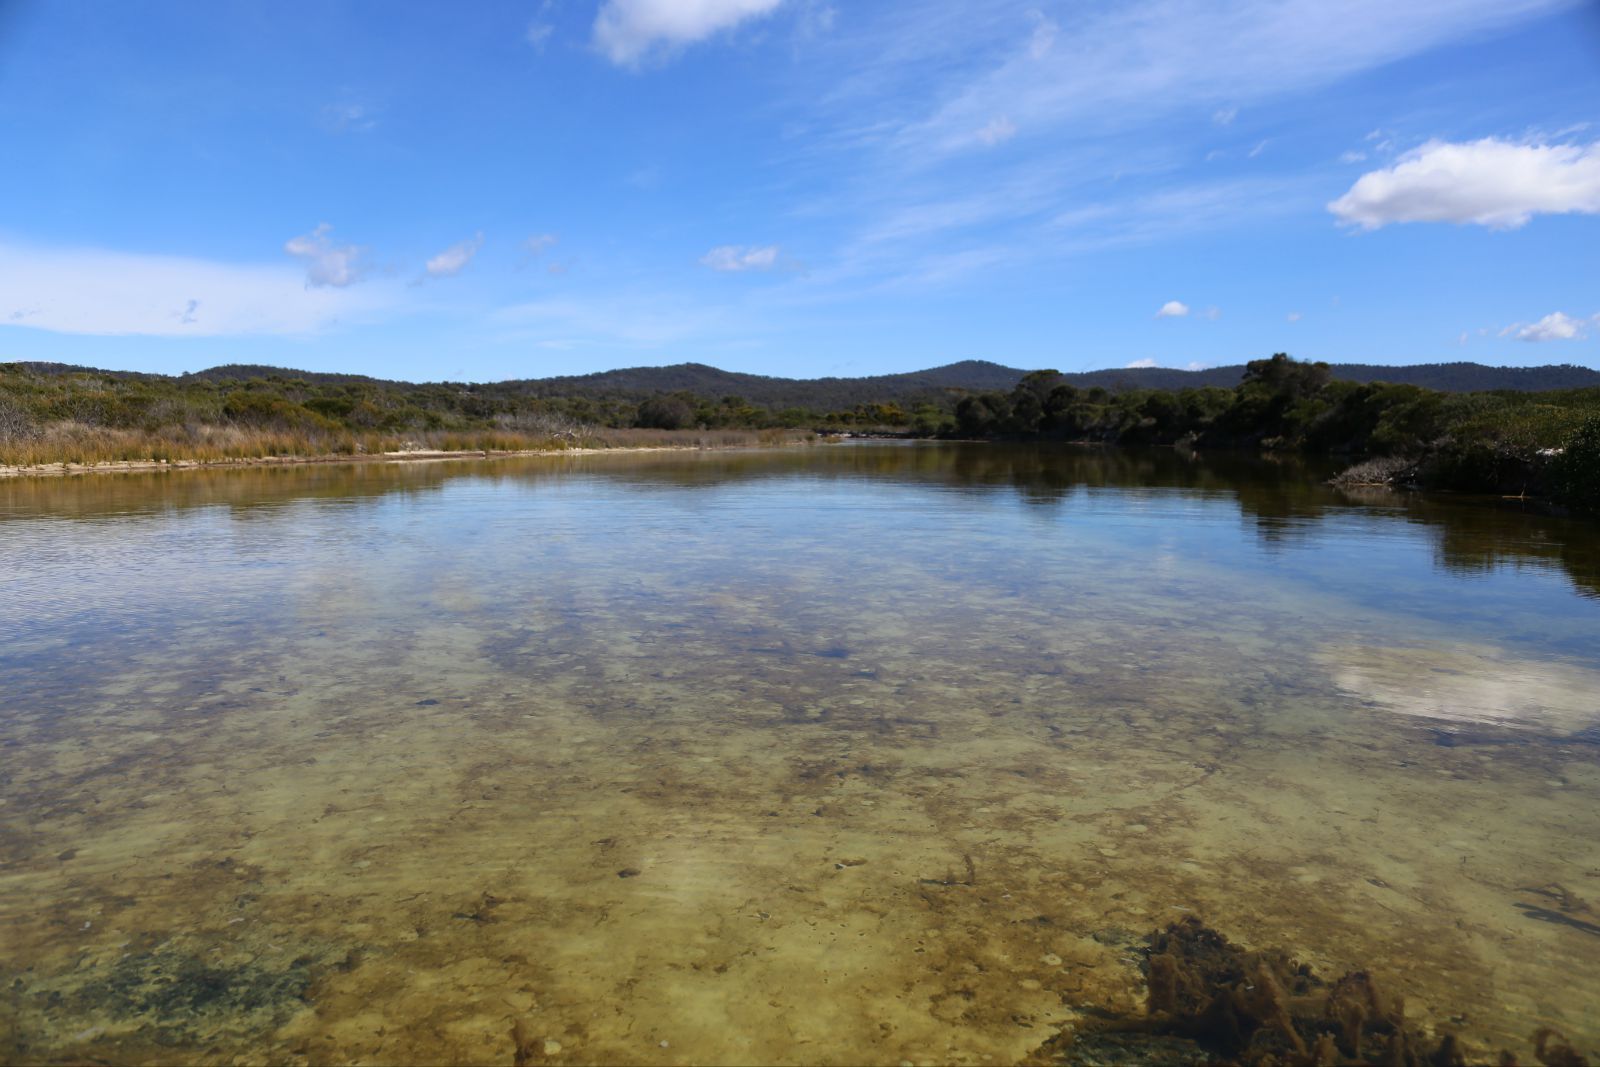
[797, 187]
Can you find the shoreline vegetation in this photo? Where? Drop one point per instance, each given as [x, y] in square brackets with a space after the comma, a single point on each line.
[1531, 445]
[269, 451]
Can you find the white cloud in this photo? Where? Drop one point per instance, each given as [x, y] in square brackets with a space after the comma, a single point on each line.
[1293, 316]
[452, 260]
[1173, 309]
[1139, 364]
[326, 263]
[738, 257]
[1196, 366]
[1555, 326]
[629, 31]
[538, 34]
[1260, 147]
[106, 293]
[1213, 313]
[1225, 116]
[539, 242]
[1490, 182]
[998, 130]
[1352, 156]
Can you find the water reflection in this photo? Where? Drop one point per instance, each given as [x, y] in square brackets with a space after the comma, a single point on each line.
[1285, 499]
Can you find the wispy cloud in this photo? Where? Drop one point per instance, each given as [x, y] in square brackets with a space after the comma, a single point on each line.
[733, 258]
[1135, 59]
[535, 246]
[1097, 89]
[101, 292]
[1493, 183]
[997, 130]
[349, 116]
[631, 31]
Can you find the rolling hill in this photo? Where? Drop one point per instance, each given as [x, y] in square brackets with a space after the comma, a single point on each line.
[634, 383]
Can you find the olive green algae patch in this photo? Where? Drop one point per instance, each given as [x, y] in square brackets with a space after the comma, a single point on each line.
[187, 997]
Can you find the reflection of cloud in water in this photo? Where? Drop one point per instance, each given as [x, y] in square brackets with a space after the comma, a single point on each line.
[1469, 684]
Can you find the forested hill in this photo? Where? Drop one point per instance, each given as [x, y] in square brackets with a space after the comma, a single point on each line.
[1442, 377]
[974, 376]
[969, 376]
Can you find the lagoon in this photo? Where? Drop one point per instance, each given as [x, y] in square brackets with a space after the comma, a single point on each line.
[864, 752]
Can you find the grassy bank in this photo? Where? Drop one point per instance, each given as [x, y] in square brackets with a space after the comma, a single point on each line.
[72, 446]
[86, 417]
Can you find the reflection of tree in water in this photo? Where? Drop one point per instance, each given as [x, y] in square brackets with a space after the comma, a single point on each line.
[1286, 498]
[1481, 539]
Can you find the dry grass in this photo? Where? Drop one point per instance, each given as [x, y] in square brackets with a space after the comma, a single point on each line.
[641, 438]
[79, 443]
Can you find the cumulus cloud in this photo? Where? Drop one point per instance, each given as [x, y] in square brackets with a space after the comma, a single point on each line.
[1555, 326]
[1139, 364]
[1494, 183]
[451, 261]
[1173, 309]
[629, 31]
[326, 263]
[997, 130]
[738, 257]
[109, 293]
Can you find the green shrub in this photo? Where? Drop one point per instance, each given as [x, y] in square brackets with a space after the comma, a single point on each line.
[1575, 473]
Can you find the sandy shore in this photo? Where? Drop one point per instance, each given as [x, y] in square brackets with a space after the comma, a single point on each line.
[416, 456]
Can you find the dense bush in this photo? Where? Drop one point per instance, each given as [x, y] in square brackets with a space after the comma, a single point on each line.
[1575, 473]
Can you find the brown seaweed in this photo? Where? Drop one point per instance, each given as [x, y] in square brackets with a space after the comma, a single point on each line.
[1211, 1001]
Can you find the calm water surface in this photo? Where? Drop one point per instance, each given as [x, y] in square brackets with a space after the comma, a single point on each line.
[884, 753]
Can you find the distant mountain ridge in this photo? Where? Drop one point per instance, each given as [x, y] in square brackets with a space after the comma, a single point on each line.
[965, 376]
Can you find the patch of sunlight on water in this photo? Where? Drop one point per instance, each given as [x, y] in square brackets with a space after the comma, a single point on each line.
[833, 755]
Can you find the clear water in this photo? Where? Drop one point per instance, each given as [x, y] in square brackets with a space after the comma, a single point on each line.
[851, 753]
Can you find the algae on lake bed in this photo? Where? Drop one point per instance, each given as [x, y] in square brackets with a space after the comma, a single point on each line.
[372, 792]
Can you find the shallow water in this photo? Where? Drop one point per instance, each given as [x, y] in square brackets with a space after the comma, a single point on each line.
[851, 753]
